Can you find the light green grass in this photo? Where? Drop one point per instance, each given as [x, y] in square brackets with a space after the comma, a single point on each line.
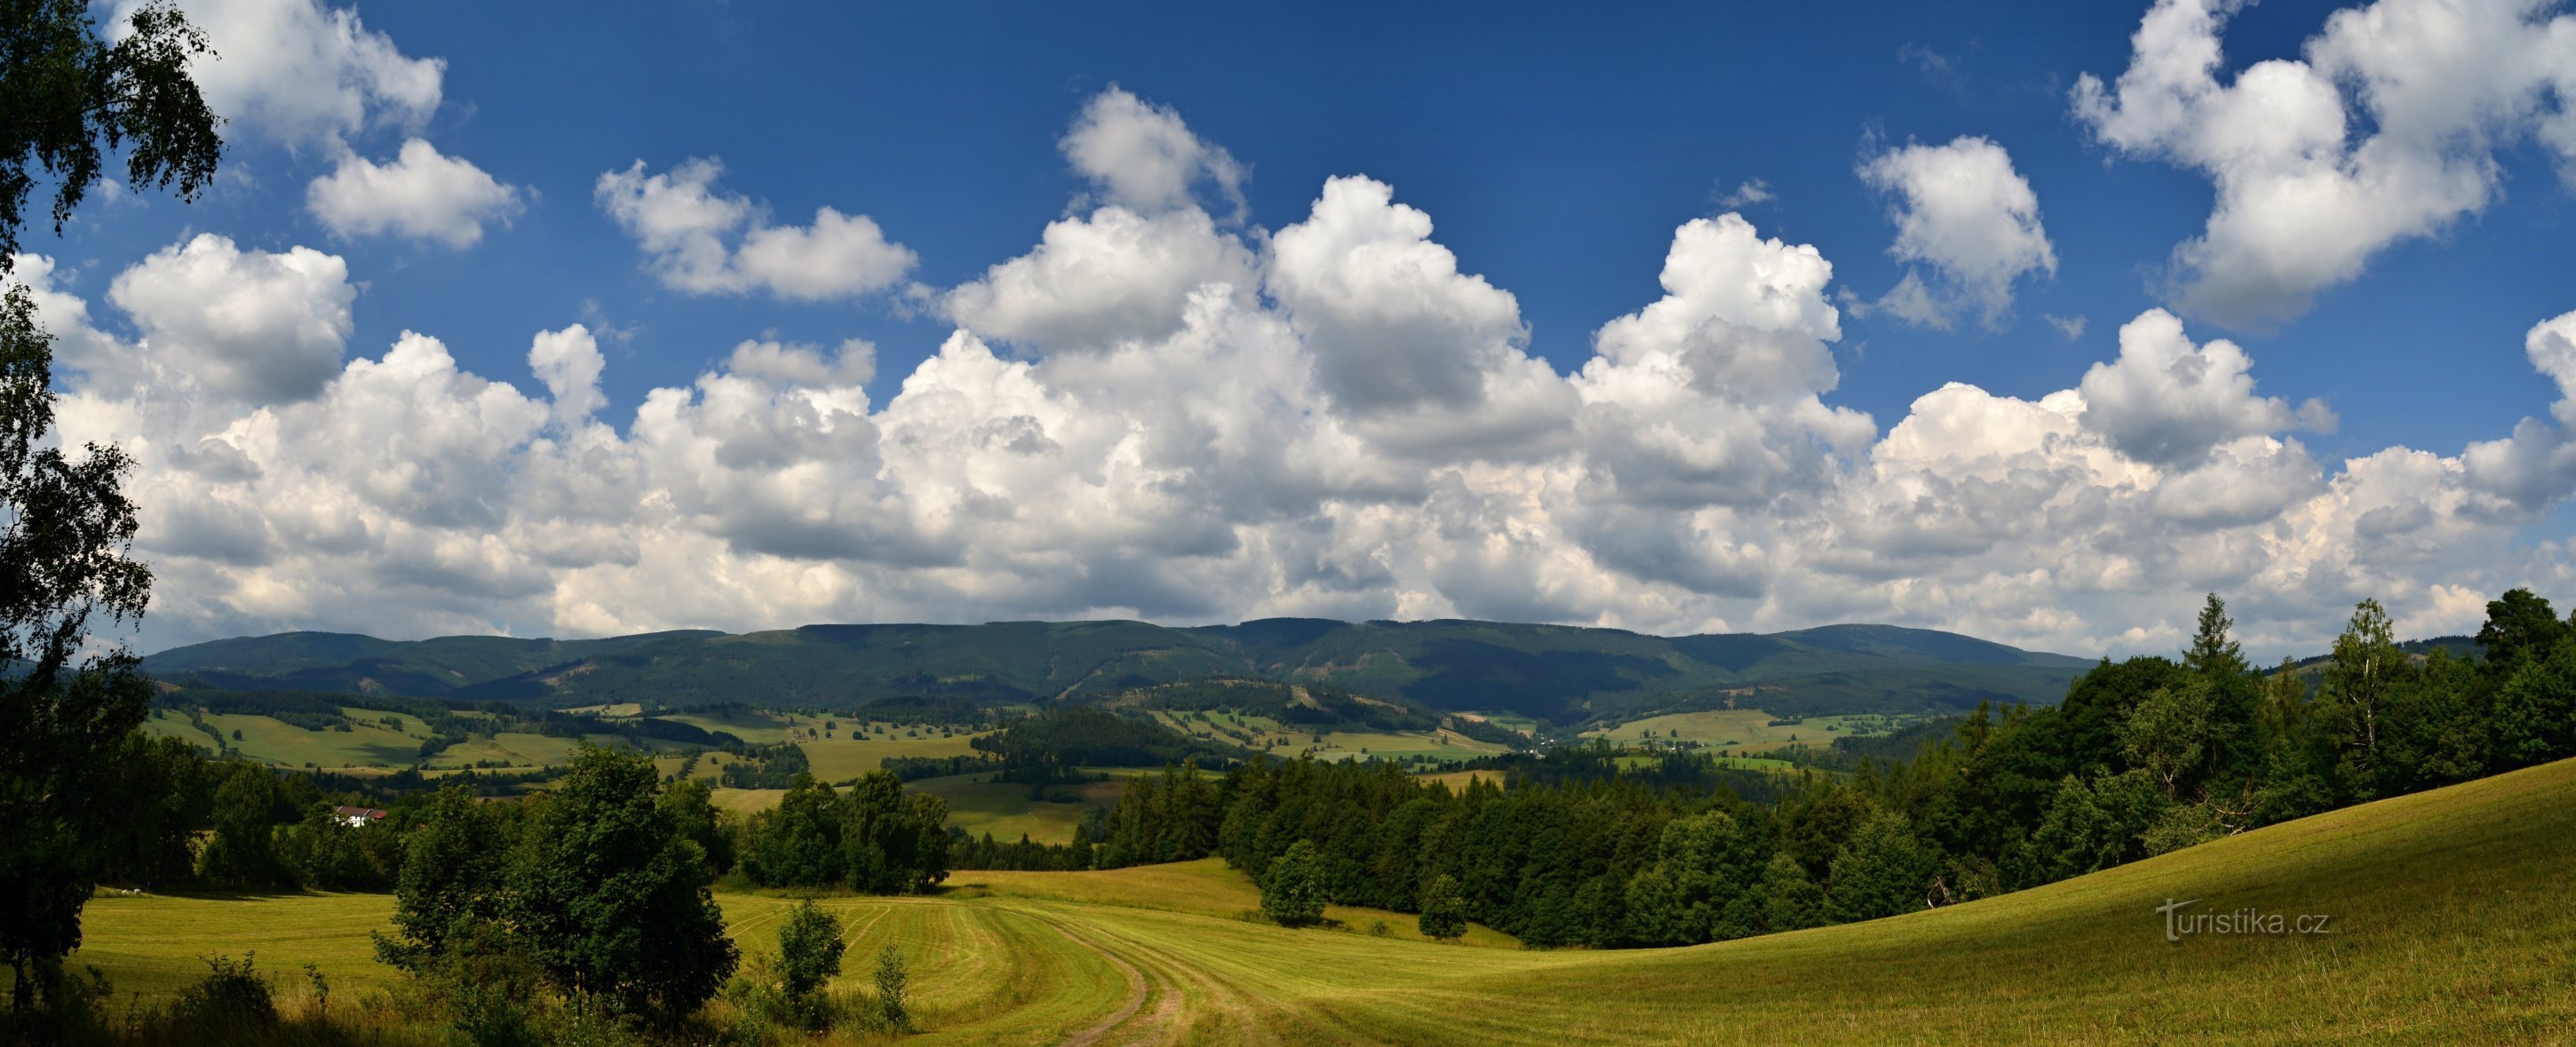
[153, 944]
[277, 742]
[2451, 922]
[843, 758]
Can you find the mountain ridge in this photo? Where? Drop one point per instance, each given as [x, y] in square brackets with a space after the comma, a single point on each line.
[1557, 672]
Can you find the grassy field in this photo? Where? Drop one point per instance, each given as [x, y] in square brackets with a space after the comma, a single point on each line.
[1746, 730]
[2448, 920]
[841, 758]
[368, 742]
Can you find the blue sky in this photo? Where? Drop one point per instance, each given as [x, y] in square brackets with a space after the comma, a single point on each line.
[1555, 151]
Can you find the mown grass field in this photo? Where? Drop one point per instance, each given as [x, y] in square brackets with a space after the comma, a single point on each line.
[840, 759]
[1745, 730]
[2450, 920]
[368, 742]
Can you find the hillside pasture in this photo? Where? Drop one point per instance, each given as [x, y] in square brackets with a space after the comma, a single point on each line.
[367, 743]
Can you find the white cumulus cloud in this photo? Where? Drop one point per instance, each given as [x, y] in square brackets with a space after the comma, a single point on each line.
[252, 326]
[703, 241]
[2386, 129]
[1962, 211]
[1154, 413]
[2166, 401]
[1142, 157]
[302, 73]
[423, 194]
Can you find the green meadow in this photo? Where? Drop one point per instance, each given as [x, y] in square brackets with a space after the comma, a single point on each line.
[2445, 916]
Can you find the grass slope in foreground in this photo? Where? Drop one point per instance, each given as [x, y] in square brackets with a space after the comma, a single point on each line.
[2450, 914]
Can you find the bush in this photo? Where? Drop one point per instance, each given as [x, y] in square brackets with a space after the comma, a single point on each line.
[1444, 913]
[893, 984]
[809, 950]
[231, 996]
[1293, 893]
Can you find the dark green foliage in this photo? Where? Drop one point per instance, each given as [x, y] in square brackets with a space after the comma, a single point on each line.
[766, 767]
[63, 558]
[1292, 893]
[1883, 870]
[916, 768]
[610, 900]
[1169, 818]
[450, 893]
[67, 96]
[1050, 746]
[1700, 886]
[691, 807]
[1790, 901]
[1444, 913]
[1487, 731]
[876, 839]
[809, 950]
[1026, 855]
[243, 851]
[2535, 713]
[325, 852]
[231, 997]
[166, 790]
[2520, 627]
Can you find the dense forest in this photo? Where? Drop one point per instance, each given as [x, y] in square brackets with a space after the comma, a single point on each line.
[2144, 756]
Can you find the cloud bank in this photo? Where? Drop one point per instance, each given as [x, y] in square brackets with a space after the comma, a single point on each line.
[1156, 412]
[2385, 130]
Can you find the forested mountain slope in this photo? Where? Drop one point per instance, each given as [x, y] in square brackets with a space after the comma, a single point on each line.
[1562, 673]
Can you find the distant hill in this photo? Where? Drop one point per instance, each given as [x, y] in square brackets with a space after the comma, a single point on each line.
[1563, 673]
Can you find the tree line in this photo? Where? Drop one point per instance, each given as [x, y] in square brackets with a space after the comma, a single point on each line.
[2144, 756]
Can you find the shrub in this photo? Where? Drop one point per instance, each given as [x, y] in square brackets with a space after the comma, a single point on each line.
[1293, 894]
[809, 950]
[1444, 913]
[893, 982]
[230, 996]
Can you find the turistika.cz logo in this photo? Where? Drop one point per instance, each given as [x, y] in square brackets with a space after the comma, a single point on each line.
[2249, 920]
